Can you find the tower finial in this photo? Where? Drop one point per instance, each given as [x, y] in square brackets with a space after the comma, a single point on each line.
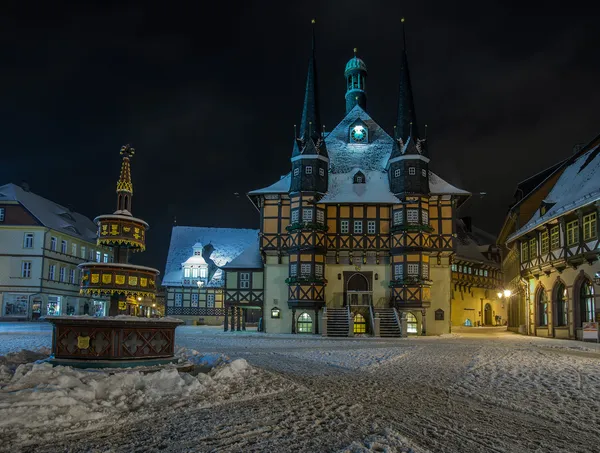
[403, 34]
[426, 132]
[355, 51]
[295, 132]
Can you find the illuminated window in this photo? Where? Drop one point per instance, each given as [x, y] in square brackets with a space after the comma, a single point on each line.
[295, 216]
[275, 313]
[344, 226]
[399, 217]
[293, 270]
[358, 226]
[560, 295]
[321, 172]
[454, 268]
[74, 249]
[532, 248]
[245, 280]
[542, 307]
[195, 272]
[98, 257]
[573, 232]
[589, 226]
[586, 302]
[524, 251]
[360, 325]
[412, 269]
[425, 270]
[305, 270]
[105, 257]
[62, 274]
[412, 216]
[26, 269]
[485, 273]
[320, 216]
[319, 270]
[28, 241]
[307, 215]
[203, 272]
[52, 272]
[308, 170]
[371, 227]
[554, 238]
[304, 323]
[72, 276]
[296, 171]
[53, 241]
[398, 271]
[397, 173]
[179, 300]
[186, 272]
[195, 299]
[425, 215]
[411, 323]
[63, 247]
[544, 242]
[411, 171]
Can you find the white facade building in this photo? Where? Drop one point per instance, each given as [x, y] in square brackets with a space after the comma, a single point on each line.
[41, 244]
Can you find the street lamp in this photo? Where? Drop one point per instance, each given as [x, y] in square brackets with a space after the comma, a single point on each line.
[507, 293]
[500, 295]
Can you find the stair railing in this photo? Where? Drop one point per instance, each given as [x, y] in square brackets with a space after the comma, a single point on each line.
[397, 320]
[372, 320]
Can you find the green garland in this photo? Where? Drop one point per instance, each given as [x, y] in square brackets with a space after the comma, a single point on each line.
[409, 281]
[411, 228]
[305, 280]
[307, 226]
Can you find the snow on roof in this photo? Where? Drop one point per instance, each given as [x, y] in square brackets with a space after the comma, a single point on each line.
[578, 186]
[228, 243]
[248, 259]
[376, 189]
[50, 214]
[195, 260]
[345, 155]
[281, 186]
[471, 245]
[437, 186]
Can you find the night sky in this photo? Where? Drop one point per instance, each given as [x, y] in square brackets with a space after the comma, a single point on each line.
[208, 96]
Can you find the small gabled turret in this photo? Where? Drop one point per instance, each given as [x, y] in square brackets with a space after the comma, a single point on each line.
[310, 161]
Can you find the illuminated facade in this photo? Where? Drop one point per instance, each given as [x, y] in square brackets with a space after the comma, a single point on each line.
[360, 228]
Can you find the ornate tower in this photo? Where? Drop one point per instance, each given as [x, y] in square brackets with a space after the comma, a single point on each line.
[408, 174]
[310, 168]
[125, 234]
[356, 83]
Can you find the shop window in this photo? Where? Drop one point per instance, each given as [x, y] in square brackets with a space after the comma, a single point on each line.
[586, 302]
[544, 242]
[542, 308]
[411, 323]
[360, 325]
[275, 313]
[53, 305]
[304, 323]
[16, 305]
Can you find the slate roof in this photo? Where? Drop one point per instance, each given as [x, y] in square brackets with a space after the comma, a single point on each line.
[579, 185]
[50, 214]
[471, 245]
[228, 243]
[248, 259]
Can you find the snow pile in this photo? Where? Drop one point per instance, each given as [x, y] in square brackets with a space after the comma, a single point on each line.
[389, 441]
[64, 399]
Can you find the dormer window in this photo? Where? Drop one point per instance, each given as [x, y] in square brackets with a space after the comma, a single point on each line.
[359, 178]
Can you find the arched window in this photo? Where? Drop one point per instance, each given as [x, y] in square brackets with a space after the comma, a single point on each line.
[560, 304]
[542, 307]
[411, 323]
[586, 302]
[360, 325]
[304, 323]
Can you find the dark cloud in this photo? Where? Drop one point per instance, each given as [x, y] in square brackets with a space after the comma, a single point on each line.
[208, 93]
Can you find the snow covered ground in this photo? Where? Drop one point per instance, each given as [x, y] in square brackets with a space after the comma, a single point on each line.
[476, 391]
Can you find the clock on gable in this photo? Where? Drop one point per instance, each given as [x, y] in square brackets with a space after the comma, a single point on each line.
[358, 134]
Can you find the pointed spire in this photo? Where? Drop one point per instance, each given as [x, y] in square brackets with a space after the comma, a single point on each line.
[310, 112]
[406, 106]
[124, 184]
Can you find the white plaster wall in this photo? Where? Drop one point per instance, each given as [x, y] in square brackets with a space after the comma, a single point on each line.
[276, 295]
[440, 298]
[334, 292]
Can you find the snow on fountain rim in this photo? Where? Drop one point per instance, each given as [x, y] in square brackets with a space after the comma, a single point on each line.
[118, 318]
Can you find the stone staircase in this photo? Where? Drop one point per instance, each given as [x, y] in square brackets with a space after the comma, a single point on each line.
[388, 326]
[338, 324]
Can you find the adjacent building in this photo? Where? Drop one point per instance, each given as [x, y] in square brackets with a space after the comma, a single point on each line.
[195, 276]
[551, 236]
[41, 245]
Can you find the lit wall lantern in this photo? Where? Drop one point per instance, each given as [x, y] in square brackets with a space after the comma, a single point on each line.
[275, 313]
[507, 293]
[499, 295]
[376, 276]
[339, 276]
